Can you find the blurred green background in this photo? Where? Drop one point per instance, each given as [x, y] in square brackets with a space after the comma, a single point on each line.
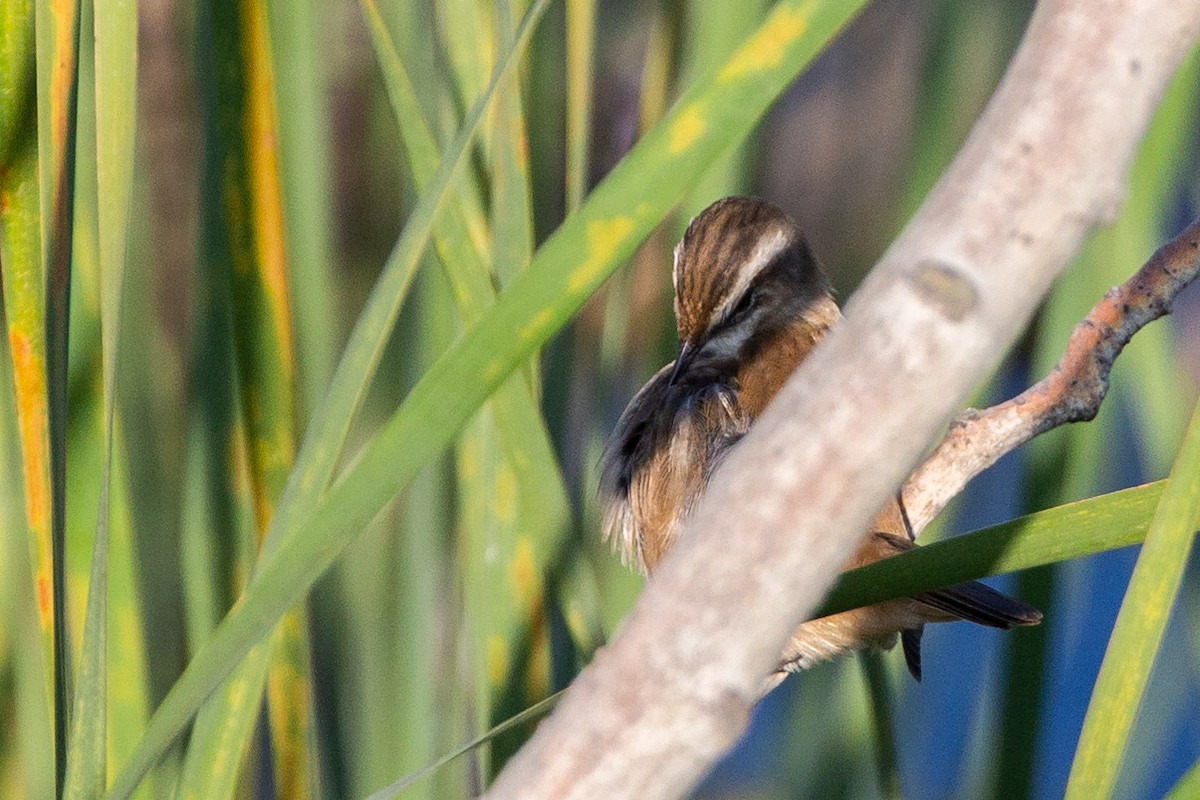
[228, 202]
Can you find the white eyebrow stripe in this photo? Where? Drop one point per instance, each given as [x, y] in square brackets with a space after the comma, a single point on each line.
[767, 248]
[675, 266]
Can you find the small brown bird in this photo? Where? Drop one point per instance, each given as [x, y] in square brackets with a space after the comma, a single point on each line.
[751, 301]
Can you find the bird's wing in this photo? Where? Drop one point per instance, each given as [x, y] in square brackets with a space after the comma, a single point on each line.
[658, 461]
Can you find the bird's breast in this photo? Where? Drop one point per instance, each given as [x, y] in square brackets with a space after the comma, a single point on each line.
[767, 366]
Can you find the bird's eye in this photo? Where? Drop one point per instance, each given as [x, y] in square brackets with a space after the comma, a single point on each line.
[745, 305]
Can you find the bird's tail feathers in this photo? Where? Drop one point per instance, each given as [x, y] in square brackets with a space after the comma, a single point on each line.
[975, 602]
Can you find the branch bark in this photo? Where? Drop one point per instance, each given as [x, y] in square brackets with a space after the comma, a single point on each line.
[1044, 163]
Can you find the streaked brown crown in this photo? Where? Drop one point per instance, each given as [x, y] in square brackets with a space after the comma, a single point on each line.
[729, 247]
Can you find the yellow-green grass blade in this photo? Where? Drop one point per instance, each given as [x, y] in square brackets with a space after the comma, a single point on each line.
[715, 114]
[1188, 787]
[1069, 531]
[27, 745]
[511, 201]
[1140, 625]
[485, 521]
[115, 101]
[411, 25]
[267, 364]
[57, 33]
[297, 36]
[217, 517]
[221, 737]
[86, 749]
[465, 30]
[506, 542]
[581, 47]
[85, 437]
[16, 72]
[121, 703]
[459, 234]
[22, 280]
[251, 204]
[128, 678]
[431, 721]
[249, 225]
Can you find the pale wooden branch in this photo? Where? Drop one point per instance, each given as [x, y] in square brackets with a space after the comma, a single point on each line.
[1044, 163]
[1072, 392]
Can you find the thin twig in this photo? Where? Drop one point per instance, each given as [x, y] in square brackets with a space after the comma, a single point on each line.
[1072, 392]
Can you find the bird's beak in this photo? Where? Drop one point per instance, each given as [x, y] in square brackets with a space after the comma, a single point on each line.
[687, 354]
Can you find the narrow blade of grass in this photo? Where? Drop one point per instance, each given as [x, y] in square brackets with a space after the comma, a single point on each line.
[887, 766]
[57, 30]
[465, 29]
[87, 761]
[217, 511]
[539, 709]
[1188, 787]
[511, 201]
[1073, 530]
[24, 307]
[16, 72]
[297, 36]
[248, 227]
[115, 79]
[581, 46]
[716, 113]
[1140, 624]
[28, 743]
